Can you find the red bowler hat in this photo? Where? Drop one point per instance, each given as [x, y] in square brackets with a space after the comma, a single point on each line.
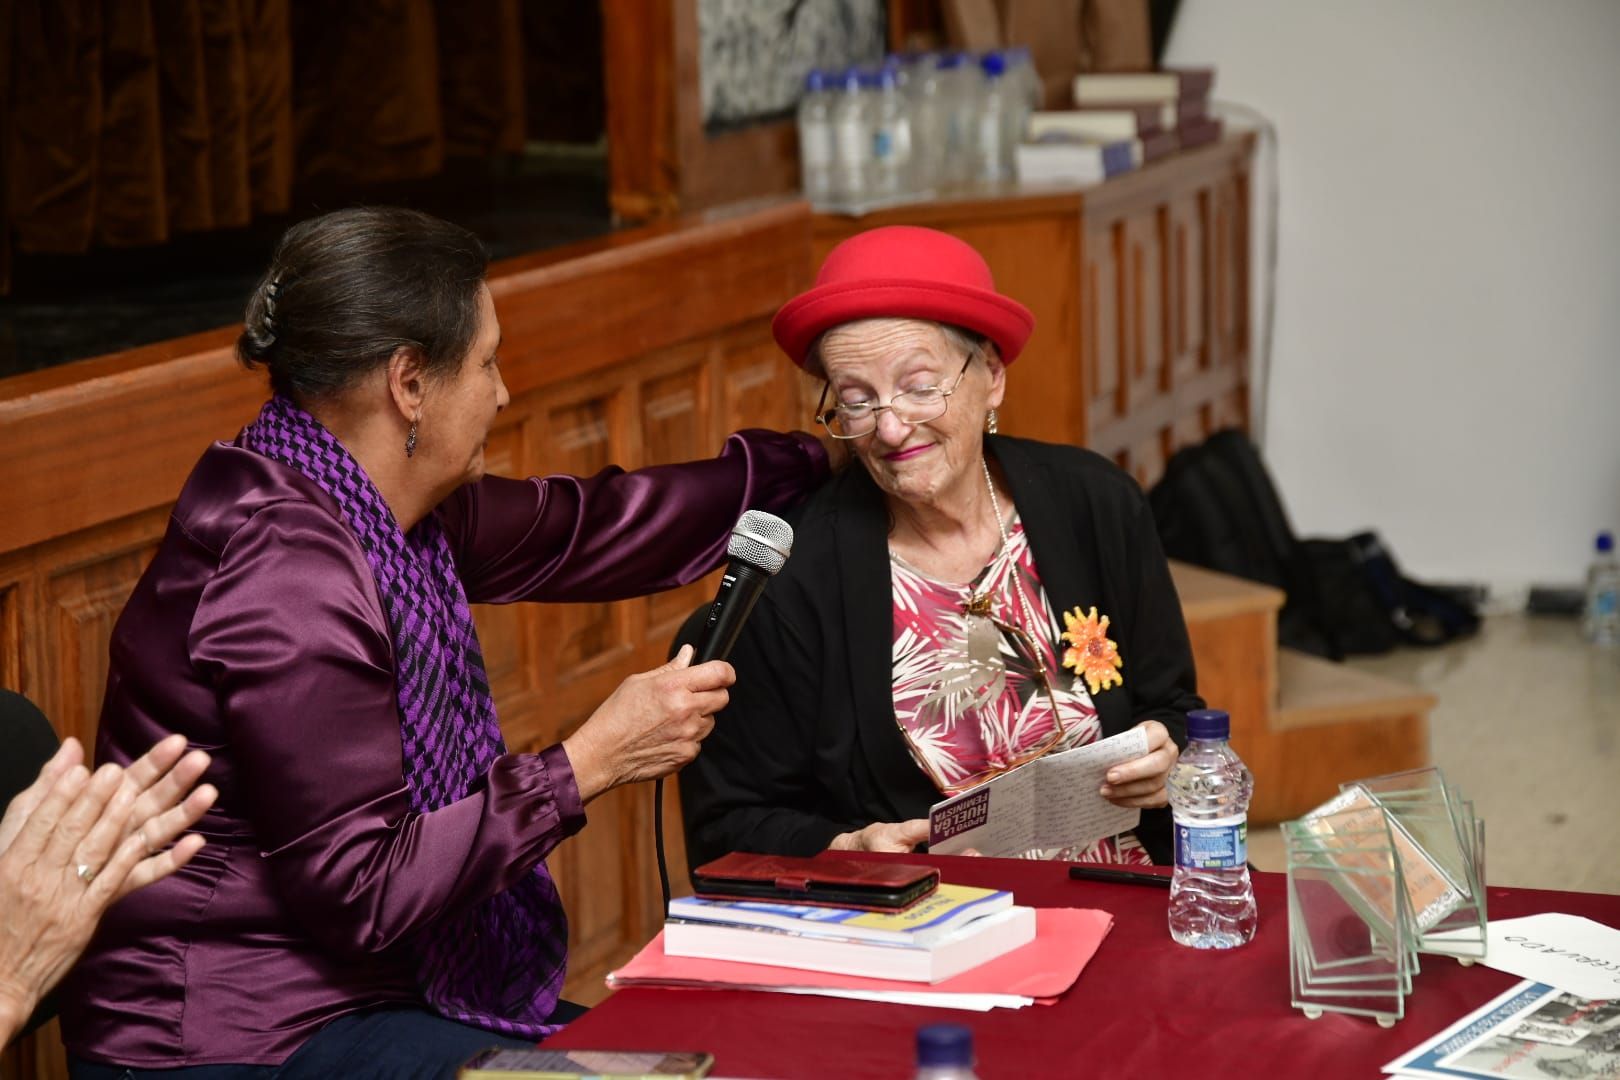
[901, 271]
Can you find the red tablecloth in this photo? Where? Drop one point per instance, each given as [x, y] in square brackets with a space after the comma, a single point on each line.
[1144, 1007]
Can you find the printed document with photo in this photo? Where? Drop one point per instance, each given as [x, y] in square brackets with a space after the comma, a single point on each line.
[1051, 802]
[1532, 1031]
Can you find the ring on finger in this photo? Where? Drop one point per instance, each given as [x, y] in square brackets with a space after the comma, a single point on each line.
[86, 872]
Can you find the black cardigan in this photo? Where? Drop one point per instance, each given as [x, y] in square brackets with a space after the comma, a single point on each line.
[808, 747]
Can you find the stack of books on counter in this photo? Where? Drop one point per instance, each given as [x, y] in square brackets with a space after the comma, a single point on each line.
[953, 929]
[1121, 121]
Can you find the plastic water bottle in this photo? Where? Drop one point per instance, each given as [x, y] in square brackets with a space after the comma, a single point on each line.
[957, 91]
[852, 140]
[1021, 73]
[1026, 87]
[998, 111]
[926, 86]
[892, 141]
[816, 139]
[1211, 897]
[1602, 622]
[945, 1052]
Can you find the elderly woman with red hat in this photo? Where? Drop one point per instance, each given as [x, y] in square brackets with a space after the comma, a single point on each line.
[914, 646]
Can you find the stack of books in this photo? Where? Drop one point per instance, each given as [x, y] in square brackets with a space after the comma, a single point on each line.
[951, 930]
[1180, 96]
[1121, 121]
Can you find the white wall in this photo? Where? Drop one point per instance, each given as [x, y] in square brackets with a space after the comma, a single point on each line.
[1447, 356]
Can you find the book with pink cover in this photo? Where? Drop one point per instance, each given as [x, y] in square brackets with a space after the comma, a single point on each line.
[1065, 941]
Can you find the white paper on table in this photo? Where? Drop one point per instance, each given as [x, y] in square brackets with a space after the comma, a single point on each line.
[1051, 802]
[1576, 955]
[971, 1002]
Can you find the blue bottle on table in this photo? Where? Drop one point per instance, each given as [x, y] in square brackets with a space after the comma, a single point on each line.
[1211, 897]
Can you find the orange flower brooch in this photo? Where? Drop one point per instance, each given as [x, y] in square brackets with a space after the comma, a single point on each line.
[1090, 653]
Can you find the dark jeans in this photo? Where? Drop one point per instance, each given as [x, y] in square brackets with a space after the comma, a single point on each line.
[407, 1044]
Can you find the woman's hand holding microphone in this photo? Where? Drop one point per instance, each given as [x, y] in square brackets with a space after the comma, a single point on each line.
[650, 726]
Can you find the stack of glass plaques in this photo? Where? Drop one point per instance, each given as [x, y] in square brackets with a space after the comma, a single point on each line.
[1390, 867]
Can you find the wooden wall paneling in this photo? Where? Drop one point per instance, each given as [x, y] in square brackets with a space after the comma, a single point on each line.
[1143, 270]
[677, 424]
[575, 312]
[1230, 409]
[1034, 258]
[1104, 352]
[1226, 294]
[86, 583]
[154, 409]
[506, 642]
[757, 385]
[1188, 279]
[16, 658]
[585, 434]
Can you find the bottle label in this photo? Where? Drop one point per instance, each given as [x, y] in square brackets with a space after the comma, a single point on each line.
[882, 144]
[1212, 843]
[1604, 603]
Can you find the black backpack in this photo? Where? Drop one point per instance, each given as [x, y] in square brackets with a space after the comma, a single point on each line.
[1216, 507]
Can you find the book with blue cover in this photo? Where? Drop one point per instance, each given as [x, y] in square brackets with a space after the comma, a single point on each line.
[948, 908]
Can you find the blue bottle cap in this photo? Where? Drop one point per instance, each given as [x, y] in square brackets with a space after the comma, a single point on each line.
[944, 1044]
[1208, 724]
[1605, 542]
[948, 60]
[852, 79]
[994, 64]
[816, 81]
[887, 77]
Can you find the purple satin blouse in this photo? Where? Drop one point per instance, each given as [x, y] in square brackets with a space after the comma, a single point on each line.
[258, 632]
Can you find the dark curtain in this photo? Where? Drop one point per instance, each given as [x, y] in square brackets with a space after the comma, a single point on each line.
[128, 121]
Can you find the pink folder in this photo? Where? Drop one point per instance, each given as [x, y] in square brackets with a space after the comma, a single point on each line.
[1065, 941]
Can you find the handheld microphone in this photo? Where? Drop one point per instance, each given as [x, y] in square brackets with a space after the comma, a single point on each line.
[759, 545]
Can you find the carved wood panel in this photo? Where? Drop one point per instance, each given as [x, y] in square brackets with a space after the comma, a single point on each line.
[1146, 322]
[503, 631]
[1102, 355]
[583, 437]
[1188, 280]
[12, 663]
[1229, 272]
[83, 602]
[676, 424]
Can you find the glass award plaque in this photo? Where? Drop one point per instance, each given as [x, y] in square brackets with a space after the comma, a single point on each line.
[1390, 867]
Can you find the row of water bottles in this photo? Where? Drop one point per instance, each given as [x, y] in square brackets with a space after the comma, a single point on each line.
[919, 123]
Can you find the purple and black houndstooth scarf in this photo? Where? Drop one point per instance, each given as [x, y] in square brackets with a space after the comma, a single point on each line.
[499, 965]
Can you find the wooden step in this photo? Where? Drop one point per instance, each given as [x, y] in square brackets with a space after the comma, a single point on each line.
[1303, 725]
[1207, 595]
[1313, 692]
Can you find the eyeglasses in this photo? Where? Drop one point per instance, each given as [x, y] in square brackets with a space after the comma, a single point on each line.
[979, 605]
[856, 418]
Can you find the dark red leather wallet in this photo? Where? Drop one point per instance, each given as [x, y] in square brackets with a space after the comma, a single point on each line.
[823, 880]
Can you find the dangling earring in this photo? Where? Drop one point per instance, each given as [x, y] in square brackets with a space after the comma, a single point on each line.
[410, 440]
[990, 423]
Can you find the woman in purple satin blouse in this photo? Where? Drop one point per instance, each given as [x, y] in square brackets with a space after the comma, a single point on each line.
[373, 897]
